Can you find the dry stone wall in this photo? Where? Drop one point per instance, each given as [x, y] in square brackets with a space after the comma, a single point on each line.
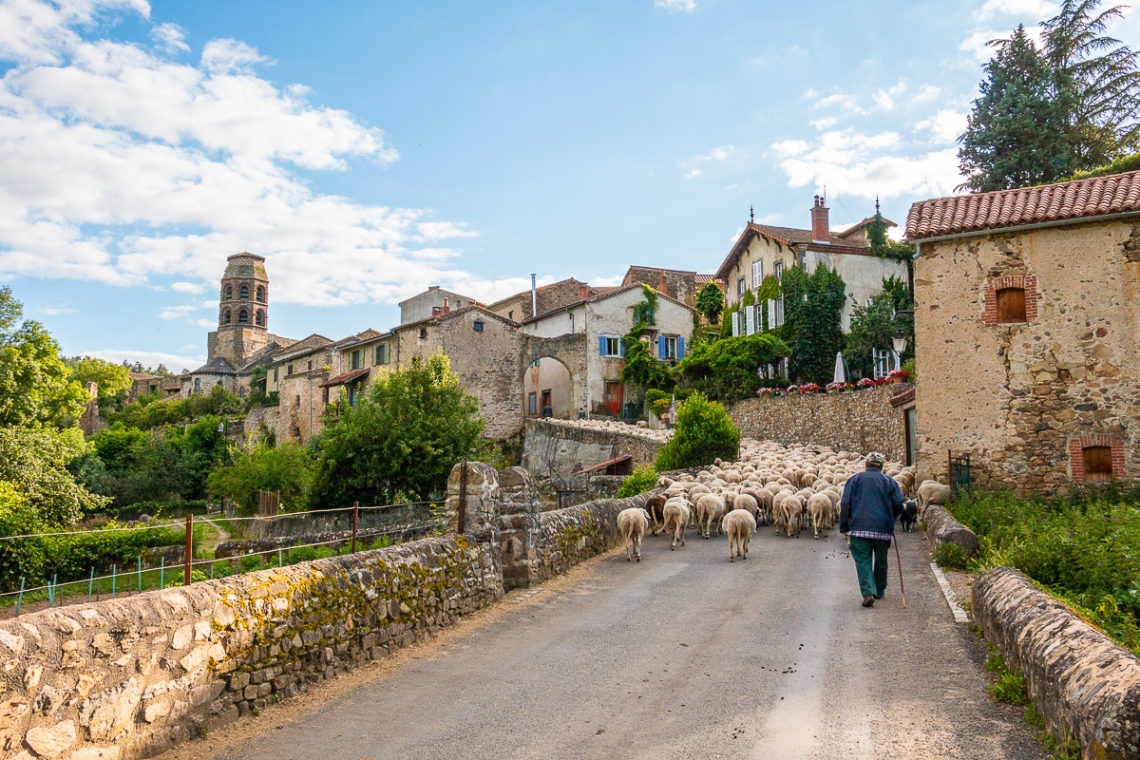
[569, 448]
[1083, 684]
[862, 420]
[127, 678]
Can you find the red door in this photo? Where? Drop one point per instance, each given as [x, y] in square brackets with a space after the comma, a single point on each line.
[613, 398]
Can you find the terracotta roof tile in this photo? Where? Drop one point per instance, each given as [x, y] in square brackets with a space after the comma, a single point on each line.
[1075, 199]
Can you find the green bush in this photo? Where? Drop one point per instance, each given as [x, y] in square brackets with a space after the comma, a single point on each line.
[302, 554]
[73, 557]
[726, 369]
[643, 479]
[249, 563]
[285, 468]
[703, 432]
[19, 558]
[949, 554]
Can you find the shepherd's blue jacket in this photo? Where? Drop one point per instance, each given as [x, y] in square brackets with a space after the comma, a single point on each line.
[871, 501]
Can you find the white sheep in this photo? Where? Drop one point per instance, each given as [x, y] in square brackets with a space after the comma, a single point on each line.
[932, 492]
[633, 523]
[739, 526]
[709, 509]
[819, 507]
[676, 518]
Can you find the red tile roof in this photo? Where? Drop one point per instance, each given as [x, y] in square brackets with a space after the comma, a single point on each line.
[1076, 199]
[346, 378]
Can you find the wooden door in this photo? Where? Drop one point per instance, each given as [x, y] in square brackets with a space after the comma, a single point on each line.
[613, 398]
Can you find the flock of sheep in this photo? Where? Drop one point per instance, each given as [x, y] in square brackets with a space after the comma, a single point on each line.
[789, 487]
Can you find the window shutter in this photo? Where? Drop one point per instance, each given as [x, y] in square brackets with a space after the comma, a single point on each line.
[660, 346]
[735, 324]
[621, 347]
[749, 320]
[602, 345]
[757, 274]
[772, 314]
[680, 348]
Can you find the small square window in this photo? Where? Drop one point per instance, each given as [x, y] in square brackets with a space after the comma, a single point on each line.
[423, 333]
[1098, 462]
[1011, 305]
[478, 326]
[741, 287]
[612, 346]
[289, 370]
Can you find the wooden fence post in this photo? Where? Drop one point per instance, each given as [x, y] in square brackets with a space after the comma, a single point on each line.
[189, 558]
[355, 514]
[462, 497]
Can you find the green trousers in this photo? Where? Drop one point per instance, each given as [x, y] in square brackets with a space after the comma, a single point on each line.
[870, 555]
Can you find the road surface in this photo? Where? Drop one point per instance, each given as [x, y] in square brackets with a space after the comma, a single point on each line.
[683, 655]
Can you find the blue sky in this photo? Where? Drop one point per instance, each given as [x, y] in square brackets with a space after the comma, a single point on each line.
[369, 149]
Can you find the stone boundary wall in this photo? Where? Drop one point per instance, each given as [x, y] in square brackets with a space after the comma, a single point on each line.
[1084, 684]
[571, 448]
[384, 518]
[941, 527]
[862, 420]
[127, 678]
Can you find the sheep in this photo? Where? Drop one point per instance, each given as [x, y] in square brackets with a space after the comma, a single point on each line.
[676, 518]
[709, 509]
[932, 492]
[739, 526]
[655, 506]
[819, 507]
[788, 514]
[632, 523]
[748, 503]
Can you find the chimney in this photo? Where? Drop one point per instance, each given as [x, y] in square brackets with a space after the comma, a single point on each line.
[583, 292]
[533, 295]
[433, 287]
[446, 308]
[662, 286]
[820, 230]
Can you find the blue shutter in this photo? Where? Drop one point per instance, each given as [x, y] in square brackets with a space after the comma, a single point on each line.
[680, 348]
[660, 346]
[621, 347]
[602, 345]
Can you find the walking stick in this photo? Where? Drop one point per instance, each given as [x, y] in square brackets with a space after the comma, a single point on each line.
[898, 563]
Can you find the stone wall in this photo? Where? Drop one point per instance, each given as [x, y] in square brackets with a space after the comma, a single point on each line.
[861, 420]
[368, 519]
[1083, 684]
[568, 448]
[1024, 398]
[127, 678]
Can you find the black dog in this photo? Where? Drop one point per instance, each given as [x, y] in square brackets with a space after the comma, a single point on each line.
[909, 515]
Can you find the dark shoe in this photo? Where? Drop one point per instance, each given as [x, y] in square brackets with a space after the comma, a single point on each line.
[879, 596]
[868, 601]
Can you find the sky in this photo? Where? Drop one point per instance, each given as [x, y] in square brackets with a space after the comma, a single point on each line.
[371, 149]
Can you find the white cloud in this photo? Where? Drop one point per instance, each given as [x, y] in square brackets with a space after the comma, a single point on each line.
[192, 288]
[978, 44]
[56, 310]
[827, 122]
[847, 103]
[1037, 10]
[176, 312]
[170, 36]
[758, 60]
[173, 362]
[852, 163]
[885, 99]
[692, 174]
[204, 156]
[607, 282]
[944, 126]
[786, 148]
[673, 6]
[205, 324]
[695, 166]
[927, 93]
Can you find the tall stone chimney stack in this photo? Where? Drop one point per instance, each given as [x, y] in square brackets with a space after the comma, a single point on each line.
[820, 229]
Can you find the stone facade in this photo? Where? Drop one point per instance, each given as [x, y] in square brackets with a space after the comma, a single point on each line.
[1027, 398]
[863, 420]
[556, 295]
[680, 284]
[433, 302]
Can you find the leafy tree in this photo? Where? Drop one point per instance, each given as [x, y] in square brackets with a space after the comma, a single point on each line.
[35, 385]
[727, 369]
[641, 367]
[1101, 74]
[1017, 132]
[111, 378]
[23, 558]
[710, 302]
[35, 460]
[285, 468]
[402, 439]
[703, 432]
[874, 327]
[812, 329]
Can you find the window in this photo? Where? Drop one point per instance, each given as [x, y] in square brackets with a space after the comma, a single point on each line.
[381, 354]
[241, 392]
[243, 294]
[357, 358]
[478, 325]
[325, 396]
[423, 333]
[275, 374]
[353, 394]
[779, 271]
[310, 365]
[1098, 463]
[226, 317]
[197, 385]
[511, 315]
[243, 317]
[867, 303]
[741, 287]
[757, 274]
[259, 320]
[610, 345]
[260, 294]
[1011, 305]
[288, 369]
[669, 347]
[779, 309]
[297, 400]
[229, 292]
[532, 404]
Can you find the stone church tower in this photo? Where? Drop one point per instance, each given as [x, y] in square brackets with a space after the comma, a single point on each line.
[243, 311]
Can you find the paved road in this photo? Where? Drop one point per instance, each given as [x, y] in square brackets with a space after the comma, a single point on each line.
[687, 656]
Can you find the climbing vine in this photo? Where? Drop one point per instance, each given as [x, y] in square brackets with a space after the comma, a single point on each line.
[641, 367]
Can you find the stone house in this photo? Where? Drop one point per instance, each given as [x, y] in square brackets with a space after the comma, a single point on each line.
[589, 371]
[679, 284]
[295, 374]
[520, 306]
[359, 361]
[1026, 322]
[764, 250]
[433, 302]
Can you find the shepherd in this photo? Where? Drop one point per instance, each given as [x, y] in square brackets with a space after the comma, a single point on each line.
[871, 502]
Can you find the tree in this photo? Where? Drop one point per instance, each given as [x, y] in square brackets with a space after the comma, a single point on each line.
[813, 327]
[710, 302]
[284, 468]
[111, 378]
[35, 460]
[1101, 73]
[35, 385]
[727, 369]
[400, 441]
[703, 432]
[1017, 132]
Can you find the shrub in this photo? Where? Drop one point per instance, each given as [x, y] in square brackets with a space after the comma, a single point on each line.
[949, 554]
[284, 468]
[643, 479]
[249, 563]
[22, 557]
[704, 431]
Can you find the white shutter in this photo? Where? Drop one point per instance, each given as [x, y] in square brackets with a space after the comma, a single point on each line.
[749, 320]
[757, 274]
[772, 313]
[735, 323]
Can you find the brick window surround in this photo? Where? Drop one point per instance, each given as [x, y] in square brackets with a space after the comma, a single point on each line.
[1026, 282]
[1077, 459]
